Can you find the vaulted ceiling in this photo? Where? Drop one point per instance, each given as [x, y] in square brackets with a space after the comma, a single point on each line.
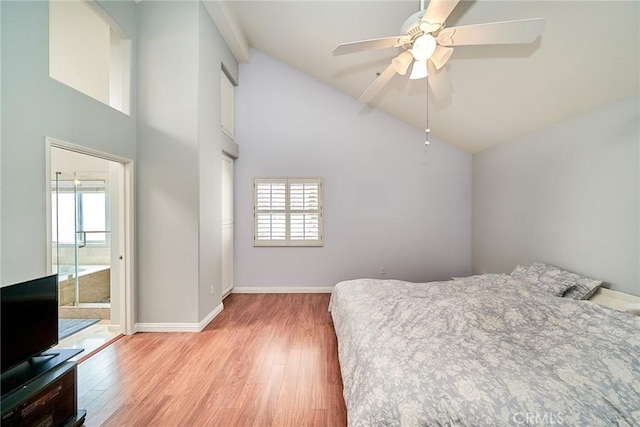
[588, 55]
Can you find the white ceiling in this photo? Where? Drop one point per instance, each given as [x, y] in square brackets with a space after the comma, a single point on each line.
[587, 56]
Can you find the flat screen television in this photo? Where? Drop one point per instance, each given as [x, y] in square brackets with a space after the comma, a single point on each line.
[29, 313]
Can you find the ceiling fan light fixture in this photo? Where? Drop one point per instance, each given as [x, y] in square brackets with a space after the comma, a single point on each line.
[401, 62]
[423, 47]
[441, 56]
[419, 70]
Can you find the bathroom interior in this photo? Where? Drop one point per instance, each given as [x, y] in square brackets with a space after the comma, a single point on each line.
[81, 242]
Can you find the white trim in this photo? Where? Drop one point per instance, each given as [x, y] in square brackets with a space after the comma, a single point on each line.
[282, 290]
[53, 142]
[226, 229]
[107, 18]
[167, 327]
[227, 292]
[128, 294]
[127, 287]
[209, 317]
[615, 299]
[48, 230]
[180, 327]
[265, 187]
[229, 29]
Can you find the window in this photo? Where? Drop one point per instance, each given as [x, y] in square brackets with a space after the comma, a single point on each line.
[84, 209]
[89, 52]
[287, 212]
[226, 110]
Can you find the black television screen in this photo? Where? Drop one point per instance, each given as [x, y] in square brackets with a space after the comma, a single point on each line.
[29, 313]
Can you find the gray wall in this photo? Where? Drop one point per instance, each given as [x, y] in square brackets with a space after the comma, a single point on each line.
[567, 195]
[179, 146]
[167, 173]
[388, 201]
[213, 52]
[176, 142]
[35, 106]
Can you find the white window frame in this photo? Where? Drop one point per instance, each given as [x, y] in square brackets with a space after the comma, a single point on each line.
[287, 241]
[99, 187]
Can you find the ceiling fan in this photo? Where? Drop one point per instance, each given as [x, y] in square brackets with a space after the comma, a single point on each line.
[429, 44]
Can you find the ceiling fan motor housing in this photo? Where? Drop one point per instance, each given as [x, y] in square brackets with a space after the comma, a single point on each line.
[411, 26]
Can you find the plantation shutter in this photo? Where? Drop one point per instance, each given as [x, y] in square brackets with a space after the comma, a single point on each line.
[271, 203]
[288, 212]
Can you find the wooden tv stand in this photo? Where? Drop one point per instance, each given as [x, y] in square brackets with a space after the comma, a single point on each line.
[42, 392]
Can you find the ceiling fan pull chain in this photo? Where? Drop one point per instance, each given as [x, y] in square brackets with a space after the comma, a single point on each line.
[427, 130]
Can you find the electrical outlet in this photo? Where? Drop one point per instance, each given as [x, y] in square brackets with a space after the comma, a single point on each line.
[383, 271]
[211, 290]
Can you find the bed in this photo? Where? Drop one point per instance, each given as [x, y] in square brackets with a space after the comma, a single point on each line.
[482, 351]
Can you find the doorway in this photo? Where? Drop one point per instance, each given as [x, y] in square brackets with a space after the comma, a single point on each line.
[227, 225]
[89, 236]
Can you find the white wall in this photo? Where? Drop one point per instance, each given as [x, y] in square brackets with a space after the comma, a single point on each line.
[388, 201]
[567, 195]
[35, 106]
[179, 147]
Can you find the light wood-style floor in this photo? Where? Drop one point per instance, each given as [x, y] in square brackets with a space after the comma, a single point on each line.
[266, 360]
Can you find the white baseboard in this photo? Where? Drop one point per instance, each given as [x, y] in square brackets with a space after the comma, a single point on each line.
[209, 317]
[180, 327]
[282, 290]
[227, 292]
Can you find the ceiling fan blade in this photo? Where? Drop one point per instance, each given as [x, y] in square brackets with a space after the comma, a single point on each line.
[362, 45]
[438, 11]
[439, 82]
[520, 31]
[401, 62]
[378, 83]
[441, 56]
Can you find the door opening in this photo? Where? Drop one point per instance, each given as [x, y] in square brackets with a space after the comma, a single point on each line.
[227, 225]
[89, 213]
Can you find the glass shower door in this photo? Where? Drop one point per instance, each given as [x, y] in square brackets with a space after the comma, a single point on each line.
[94, 243]
[81, 244]
[65, 238]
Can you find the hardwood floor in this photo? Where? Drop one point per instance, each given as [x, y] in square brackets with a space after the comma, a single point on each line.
[266, 360]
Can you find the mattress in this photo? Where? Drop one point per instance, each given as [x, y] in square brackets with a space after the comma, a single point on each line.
[483, 351]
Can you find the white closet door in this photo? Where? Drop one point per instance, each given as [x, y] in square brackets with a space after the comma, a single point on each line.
[227, 225]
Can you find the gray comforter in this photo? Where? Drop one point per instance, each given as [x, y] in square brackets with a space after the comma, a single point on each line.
[483, 351]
